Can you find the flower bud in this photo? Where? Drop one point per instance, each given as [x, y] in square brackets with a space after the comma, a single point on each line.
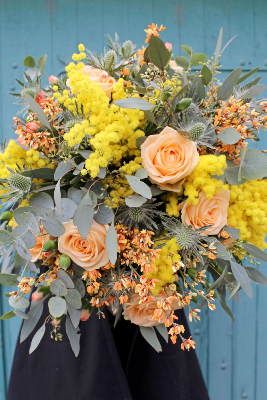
[192, 272]
[48, 246]
[6, 216]
[85, 315]
[64, 261]
[36, 296]
[183, 104]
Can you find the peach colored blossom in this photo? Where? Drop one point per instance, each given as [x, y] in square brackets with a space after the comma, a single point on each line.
[55, 322]
[207, 212]
[101, 77]
[31, 127]
[174, 66]
[168, 46]
[52, 79]
[90, 253]
[36, 296]
[84, 315]
[36, 251]
[141, 314]
[168, 158]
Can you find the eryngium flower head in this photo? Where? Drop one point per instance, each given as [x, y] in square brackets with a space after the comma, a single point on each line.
[200, 131]
[19, 182]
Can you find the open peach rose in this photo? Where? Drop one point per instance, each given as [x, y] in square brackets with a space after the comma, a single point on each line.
[101, 77]
[207, 212]
[168, 158]
[90, 253]
[141, 314]
[36, 251]
[176, 67]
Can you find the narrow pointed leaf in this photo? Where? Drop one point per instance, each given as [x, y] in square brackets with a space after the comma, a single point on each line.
[111, 243]
[241, 276]
[37, 338]
[150, 336]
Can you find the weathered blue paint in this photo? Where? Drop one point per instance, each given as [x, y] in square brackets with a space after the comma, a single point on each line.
[232, 356]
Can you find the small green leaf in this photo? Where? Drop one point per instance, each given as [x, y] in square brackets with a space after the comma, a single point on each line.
[158, 53]
[73, 297]
[182, 62]
[135, 200]
[37, 338]
[58, 288]
[150, 116]
[134, 103]
[255, 251]
[8, 315]
[138, 186]
[65, 278]
[9, 280]
[198, 59]
[112, 243]
[150, 336]
[57, 306]
[41, 116]
[52, 225]
[186, 49]
[229, 136]
[18, 303]
[29, 62]
[42, 62]
[247, 75]
[20, 210]
[241, 276]
[206, 75]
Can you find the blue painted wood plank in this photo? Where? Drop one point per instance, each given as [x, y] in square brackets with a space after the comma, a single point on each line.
[90, 25]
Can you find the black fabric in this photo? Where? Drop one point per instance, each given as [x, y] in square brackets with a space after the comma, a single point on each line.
[114, 364]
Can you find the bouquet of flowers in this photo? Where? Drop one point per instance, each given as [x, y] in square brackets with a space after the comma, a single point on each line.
[130, 183]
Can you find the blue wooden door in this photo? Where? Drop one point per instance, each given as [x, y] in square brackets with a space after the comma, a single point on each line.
[232, 355]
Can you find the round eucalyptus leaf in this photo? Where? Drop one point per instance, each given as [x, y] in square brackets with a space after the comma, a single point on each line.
[57, 306]
[58, 288]
[19, 303]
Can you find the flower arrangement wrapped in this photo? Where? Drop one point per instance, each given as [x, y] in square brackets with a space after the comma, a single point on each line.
[132, 184]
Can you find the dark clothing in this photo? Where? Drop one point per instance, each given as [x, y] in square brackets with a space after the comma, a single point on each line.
[113, 364]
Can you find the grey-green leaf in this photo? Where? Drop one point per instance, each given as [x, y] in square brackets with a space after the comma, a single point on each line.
[112, 243]
[21, 232]
[37, 338]
[52, 225]
[21, 314]
[138, 186]
[65, 278]
[229, 136]
[247, 75]
[135, 200]
[219, 44]
[159, 55]
[41, 201]
[186, 49]
[57, 306]
[40, 173]
[38, 111]
[150, 116]
[161, 328]
[222, 252]
[42, 62]
[30, 221]
[29, 62]
[104, 215]
[225, 90]
[241, 276]
[9, 280]
[20, 210]
[198, 59]
[58, 288]
[6, 237]
[61, 170]
[206, 75]
[73, 297]
[182, 62]
[255, 91]
[256, 276]
[141, 173]
[150, 336]
[8, 315]
[254, 165]
[255, 251]
[28, 326]
[21, 248]
[19, 303]
[69, 207]
[232, 172]
[83, 216]
[73, 336]
[75, 315]
[134, 103]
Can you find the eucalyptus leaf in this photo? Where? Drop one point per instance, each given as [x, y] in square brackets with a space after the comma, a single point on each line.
[227, 310]
[182, 62]
[222, 252]
[79, 285]
[85, 153]
[161, 328]
[135, 200]
[232, 172]
[57, 198]
[58, 288]
[42, 62]
[18, 303]
[34, 315]
[8, 315]
[206, 75]
[6, 237]
[75, 315]
[141, 173]
[61, 170]
[29, 62]
[134, 103]
[256, 276]
[219, 44]
[224, 91]
[254, 165]
[112, 243]
[186, 49]
[30, 221]
[83, 216]
[138, 186]
[40, 173]
[218, 281]
[104, 215]
[21, 314]
[229, 136]
[232, 231]
[73, 297]
[37, 338]
[242, 156]
[38, 111]
[150, 116]
[255, 251]
[21, 248]
[9, 280]
[41, 201]
[159, 55]
[21, 232]
[235, 290]
[150, 336]
[73, 336]
[102, 172]
[247, 75]
[69, 207]
[255, 91]
[17, 214]
[198, 59]
[57, 306]
[52, 225]
[65, 278]
[241, 276]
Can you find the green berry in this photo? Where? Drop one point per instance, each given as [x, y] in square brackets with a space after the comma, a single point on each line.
[6, 216]
[20, 182]
[192, 273]
[48, 246]
[64, 261]
[197, 130]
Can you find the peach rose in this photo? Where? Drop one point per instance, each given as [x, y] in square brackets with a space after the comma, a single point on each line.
[174, 66]
[84, 315]
[168, 158]
[36, 251]
[207, 212]
[141, 314]
[101, 77]
[52, 79]
[90, 253]
[36, 296]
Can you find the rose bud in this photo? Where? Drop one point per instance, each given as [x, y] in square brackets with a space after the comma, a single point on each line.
[52, 79]
[84, 315]
[55, 322]
[37, 296]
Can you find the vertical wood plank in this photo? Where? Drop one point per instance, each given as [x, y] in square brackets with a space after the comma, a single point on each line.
[90, 24]
[140, 15]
